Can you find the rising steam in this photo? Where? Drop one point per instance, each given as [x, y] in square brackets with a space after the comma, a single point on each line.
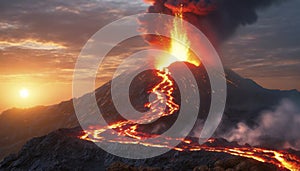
[278, 128]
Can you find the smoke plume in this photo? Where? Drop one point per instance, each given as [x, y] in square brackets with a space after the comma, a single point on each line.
[278, 128]
[218, 19]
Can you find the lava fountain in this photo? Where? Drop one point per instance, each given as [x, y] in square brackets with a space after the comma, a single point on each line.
[179, 44]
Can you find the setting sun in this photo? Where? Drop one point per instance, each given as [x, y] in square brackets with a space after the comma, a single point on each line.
[24, 93]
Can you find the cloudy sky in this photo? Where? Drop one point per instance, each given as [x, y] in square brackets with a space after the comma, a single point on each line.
[40, 41]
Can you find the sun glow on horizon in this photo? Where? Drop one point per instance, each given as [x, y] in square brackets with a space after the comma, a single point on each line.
[24, 93]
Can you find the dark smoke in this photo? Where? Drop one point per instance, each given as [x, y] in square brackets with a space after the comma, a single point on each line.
[218, 19]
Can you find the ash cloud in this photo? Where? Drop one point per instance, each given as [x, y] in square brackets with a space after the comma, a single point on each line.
[278, 128]
[218, 19]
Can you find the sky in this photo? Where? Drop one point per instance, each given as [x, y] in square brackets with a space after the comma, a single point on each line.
[40, 41]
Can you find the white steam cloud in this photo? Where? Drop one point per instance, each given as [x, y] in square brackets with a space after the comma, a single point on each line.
[278, 128]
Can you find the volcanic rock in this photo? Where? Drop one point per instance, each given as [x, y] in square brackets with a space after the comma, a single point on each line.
[62, 150]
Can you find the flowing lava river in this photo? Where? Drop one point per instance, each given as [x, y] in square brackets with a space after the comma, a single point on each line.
[163, 91]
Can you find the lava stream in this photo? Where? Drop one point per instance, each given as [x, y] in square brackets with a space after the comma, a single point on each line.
[163, 92]
[279, 158]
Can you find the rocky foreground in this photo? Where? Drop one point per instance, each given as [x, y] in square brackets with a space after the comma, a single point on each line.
[62, 150]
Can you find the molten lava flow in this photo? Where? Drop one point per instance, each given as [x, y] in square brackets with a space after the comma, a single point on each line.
[179, 45]
[164, 97]
[280, 159]
[163, 90]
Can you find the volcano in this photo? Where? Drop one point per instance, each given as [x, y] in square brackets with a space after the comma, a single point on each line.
[245, 101]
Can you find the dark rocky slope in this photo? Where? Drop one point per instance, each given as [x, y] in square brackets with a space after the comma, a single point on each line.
[61, 150]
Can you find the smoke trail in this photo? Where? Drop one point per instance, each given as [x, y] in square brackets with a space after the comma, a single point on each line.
[278, 128]
[218, 19]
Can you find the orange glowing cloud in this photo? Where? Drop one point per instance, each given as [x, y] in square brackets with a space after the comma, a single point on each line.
[31, 44]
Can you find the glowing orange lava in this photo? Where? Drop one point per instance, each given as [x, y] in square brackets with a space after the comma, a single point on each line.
[163, 92]
[164, 88]
[279, 158]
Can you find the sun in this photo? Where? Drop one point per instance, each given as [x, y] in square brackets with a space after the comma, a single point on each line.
[24, 93]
